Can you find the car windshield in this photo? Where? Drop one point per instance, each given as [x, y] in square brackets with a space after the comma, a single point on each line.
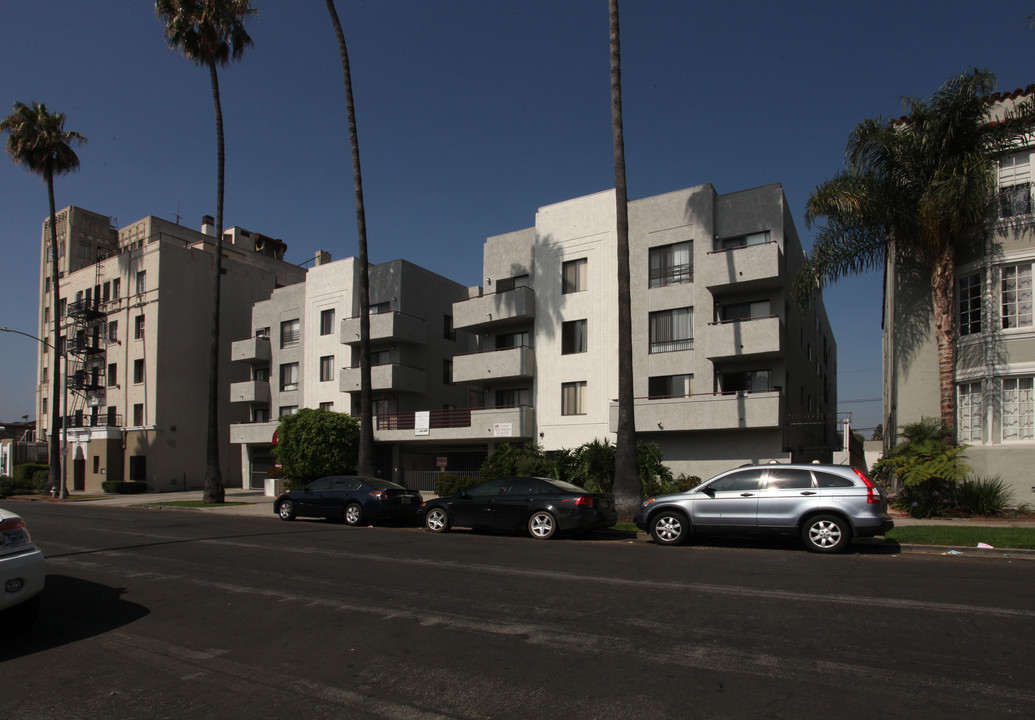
[380, 484]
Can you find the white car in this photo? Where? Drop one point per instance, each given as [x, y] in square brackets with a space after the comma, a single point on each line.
[22, 570]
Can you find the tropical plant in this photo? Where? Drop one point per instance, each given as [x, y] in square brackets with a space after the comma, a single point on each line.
[654, 474]
[627, 488]
[519, 459]
[313, 443]
[595, 463]
[38, 141]
[210, 33]
[914, 190]
[987, 496]
[366, 417]
[929, 465]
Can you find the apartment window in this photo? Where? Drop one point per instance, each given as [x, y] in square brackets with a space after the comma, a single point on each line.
[84, 250]
[448, 331]
[138, 327]
[573, 275]
[447, 371]
[509, 340]
[326, 368]
[261, 374]
[672, 264]
[141, 282]
[260, 414]
[968, 293]
[380, 357]
[1015, 185]
[263, 332]
[289, 332]
[1018, 409]
[749, 381]
[669, 386]
[744, 310]
[46, 375]
[138, 414]
[573, 337]
[513, 397]
[379, 308]
[327, 321]
[289, 376]
[672, 330]
[573, 398]
[968, 407]
[138, 370]
[328, 406]
[62, 307]
[757, 238]
[116, 285]
[288, 410]
[1016, 296]
[113, 374]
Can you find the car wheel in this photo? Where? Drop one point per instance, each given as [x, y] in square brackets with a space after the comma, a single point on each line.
[670, 528]
[287, 510]
[542, 525]
[826, 534]
[353, 514]
[437, 521]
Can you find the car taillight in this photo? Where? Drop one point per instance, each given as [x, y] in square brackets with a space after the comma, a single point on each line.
[872, 492]
[379, 495]
[584, 500]
[14, 533]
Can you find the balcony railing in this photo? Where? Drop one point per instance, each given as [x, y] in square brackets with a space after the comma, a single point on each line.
[99, 420]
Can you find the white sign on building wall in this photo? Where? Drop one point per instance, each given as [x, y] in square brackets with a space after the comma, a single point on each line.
[422, 422]
[503, 430]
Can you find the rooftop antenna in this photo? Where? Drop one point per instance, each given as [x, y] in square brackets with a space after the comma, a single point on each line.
[177, 213]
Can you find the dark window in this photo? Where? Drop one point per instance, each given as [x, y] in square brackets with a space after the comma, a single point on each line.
[788, 479]
[747, 480]
[573, 337]
[574, 276]
[327, 321]
[827, 480]
[671, 264]
[487, 488]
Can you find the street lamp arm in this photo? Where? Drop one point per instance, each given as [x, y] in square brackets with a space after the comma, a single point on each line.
[19, 332]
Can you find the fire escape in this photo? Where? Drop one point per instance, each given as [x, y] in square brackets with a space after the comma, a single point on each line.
[86, 354]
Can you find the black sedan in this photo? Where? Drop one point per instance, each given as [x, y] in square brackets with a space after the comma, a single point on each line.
[353, 499]
[542, 506]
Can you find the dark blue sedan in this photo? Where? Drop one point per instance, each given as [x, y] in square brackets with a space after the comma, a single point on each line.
[353, 499]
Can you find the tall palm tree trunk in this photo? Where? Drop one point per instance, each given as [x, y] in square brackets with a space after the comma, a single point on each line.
[627, 489]
[213, 492]
[56, 475]
[943, 275]
[365, 461]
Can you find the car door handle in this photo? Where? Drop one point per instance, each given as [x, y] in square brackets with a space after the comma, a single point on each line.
[747, 494]
[808, 492]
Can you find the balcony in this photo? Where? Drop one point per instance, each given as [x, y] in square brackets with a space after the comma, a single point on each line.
[494, 310]
[516, 363]
[757, 337]
[253, 433]
[250, 391]
[748, 267]
[474, 425]
[709, 411]
[390, 376]
[387, 327]
[252, 350]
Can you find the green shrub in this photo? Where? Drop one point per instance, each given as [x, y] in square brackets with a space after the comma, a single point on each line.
[125, 487]
[925, 500]
[983, 496]
[447, 484]
[31, 476]
[671, 485]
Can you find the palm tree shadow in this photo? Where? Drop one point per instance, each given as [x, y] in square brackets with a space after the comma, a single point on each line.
[72, 609]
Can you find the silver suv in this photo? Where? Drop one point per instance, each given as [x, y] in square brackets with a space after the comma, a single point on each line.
[825, 505]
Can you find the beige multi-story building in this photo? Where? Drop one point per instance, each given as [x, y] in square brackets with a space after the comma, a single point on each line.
[136, 311]
[995, 334]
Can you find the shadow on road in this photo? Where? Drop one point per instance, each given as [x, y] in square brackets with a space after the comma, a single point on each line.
[71, 610]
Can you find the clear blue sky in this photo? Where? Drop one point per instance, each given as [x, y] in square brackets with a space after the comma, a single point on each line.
[472, 114]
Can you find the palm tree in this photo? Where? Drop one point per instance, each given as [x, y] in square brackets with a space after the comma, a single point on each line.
[37, 140]
[365, 463]
[917, 189]
[627, 489]
[210, 33]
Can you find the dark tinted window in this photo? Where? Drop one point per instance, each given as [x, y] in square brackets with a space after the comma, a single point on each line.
[487, 488]
[526, 486]
[380, 484]
[553, 486]
[324, 483]
[829, 480]
[785, 479]
[744, 480]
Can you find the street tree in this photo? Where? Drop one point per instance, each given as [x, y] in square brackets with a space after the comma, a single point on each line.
[366, 417]
[37, 140]
[313, 443]
[915, 190]
[210, 33]
[627, 489]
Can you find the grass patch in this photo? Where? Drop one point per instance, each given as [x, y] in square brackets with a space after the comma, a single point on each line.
[196, 504]
[625, 527]
[964, 536]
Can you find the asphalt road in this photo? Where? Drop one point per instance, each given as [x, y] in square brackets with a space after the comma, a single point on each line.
[179, 614]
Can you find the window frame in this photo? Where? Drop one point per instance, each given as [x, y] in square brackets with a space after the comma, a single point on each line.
[662, 268]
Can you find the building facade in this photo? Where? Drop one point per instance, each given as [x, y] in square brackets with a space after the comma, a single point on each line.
[995, 334]
[135, 308]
